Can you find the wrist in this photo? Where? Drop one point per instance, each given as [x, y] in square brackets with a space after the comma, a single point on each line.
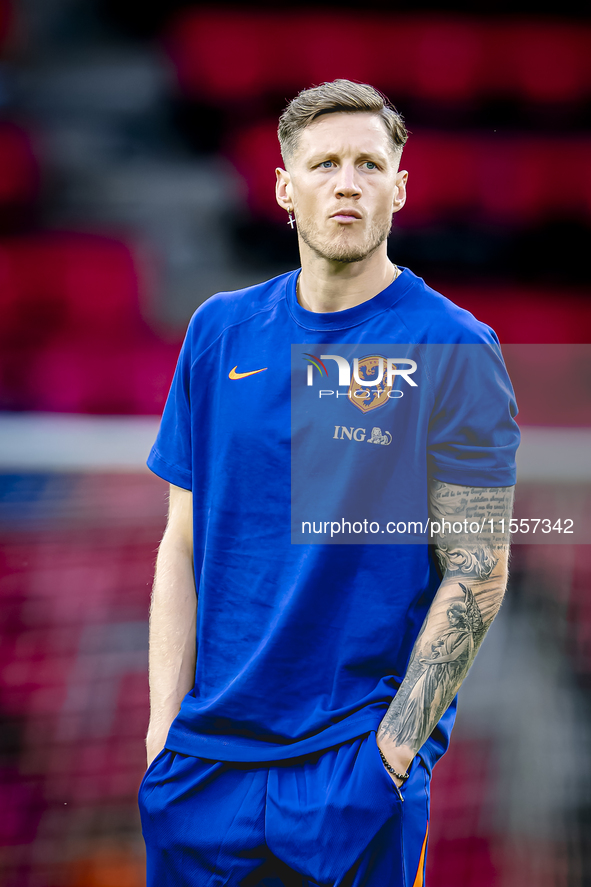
[399, 778]
[399, 757]
[154, 745]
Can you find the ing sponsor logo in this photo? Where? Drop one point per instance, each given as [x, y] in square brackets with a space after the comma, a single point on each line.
[341, 432]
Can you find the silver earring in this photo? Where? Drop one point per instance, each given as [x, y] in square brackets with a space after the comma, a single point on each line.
[291, 221]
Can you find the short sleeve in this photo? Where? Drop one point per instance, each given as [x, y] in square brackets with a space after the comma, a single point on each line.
[170, 457]
[473, 436]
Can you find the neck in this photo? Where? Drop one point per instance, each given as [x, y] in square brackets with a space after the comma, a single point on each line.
[326, 286]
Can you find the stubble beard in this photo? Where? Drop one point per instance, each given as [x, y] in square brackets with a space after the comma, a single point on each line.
[338, 250]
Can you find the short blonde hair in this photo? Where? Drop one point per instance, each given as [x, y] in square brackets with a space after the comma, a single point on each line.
[328, 98]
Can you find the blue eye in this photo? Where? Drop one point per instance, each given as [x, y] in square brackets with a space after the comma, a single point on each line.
[326, 164]
[370, 164]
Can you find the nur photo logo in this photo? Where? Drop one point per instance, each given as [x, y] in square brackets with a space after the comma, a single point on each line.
[369, 380]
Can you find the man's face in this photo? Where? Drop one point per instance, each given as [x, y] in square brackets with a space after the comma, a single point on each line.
[344, 185]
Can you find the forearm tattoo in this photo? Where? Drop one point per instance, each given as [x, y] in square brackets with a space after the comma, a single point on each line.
[474, 577]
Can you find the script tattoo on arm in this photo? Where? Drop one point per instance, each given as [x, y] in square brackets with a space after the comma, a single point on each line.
[474, 570]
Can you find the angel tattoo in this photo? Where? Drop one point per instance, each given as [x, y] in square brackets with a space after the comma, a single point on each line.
[451, 656]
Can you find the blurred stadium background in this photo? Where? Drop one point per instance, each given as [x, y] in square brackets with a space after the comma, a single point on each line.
[137, 147]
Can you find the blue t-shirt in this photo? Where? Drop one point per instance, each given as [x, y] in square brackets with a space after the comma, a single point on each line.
[301, 642]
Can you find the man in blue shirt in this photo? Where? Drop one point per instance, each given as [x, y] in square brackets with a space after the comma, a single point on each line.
[318, 602]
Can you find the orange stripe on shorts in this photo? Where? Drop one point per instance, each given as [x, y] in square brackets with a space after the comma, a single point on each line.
[419, 880]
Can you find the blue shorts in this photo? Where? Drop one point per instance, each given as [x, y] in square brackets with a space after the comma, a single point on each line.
[332, 817]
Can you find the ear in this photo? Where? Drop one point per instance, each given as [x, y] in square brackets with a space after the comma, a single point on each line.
[283, 189]
[400, 190]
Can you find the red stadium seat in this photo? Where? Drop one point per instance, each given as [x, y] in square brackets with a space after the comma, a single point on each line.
[460, 795]
[448, 59]
[121, 378]
[543, 61]
[64, 584]
[85, 282]
[255, 154]
[228, 55]
[72, 336]
[528, 315]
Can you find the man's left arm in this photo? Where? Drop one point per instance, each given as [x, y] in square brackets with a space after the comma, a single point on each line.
[475, 568]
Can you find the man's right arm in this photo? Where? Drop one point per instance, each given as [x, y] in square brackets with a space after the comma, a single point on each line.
[173, 615]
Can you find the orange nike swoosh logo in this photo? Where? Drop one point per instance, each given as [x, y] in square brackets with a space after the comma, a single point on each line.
[234, 375]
